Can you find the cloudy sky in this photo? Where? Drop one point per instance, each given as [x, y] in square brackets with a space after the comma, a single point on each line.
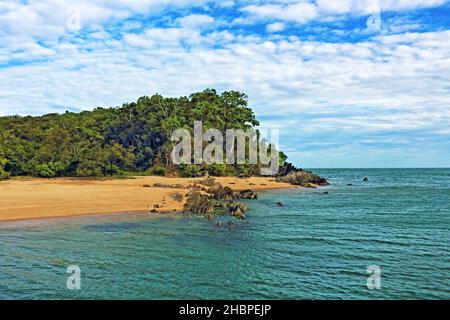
[349, 83]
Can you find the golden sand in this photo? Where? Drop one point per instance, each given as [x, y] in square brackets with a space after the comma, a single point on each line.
[32, 198]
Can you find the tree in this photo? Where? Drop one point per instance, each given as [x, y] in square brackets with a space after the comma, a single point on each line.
[119, 158]
[3, 174]
[108, 141]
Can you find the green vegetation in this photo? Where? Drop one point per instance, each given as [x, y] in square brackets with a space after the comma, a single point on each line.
[157, 171]
[116, 141]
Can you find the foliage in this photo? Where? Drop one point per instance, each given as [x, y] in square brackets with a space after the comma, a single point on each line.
[110, 141]
[158, 171]
[217, 170]
[45, 171]
[190, 171]
[3, 174]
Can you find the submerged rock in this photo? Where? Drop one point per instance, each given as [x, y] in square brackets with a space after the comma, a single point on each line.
[237, 209]
[310, 186]
[219, 204]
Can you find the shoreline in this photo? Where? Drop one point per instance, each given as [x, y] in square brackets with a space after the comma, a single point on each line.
[28, 199]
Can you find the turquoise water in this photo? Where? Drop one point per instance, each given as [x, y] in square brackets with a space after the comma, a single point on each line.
[318, 246]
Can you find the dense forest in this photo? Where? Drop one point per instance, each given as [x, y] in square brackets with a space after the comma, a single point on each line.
[131, 139]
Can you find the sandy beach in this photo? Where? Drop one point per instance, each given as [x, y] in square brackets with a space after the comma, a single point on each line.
[33, 198]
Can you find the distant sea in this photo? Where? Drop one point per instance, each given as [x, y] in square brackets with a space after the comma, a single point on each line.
[317, 246]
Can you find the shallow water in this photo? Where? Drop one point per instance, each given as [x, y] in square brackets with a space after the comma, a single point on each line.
[316, 246]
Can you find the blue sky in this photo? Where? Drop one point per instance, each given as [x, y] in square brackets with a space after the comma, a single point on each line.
[343, 92]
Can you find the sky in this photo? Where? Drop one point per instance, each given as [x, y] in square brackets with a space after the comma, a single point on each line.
[348, 83]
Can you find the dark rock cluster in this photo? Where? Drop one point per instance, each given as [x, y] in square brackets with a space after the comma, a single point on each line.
[219, 192]
[202, 200]
[237, 209]
[198, 203]
[247, 194]
[303, 178]
[169, 186]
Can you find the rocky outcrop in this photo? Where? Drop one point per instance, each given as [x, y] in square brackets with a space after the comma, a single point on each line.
[202, 200]
[237, 209]
[287, 169]
[198, 203]
[304, 179]
[247, 194]
[219, 192]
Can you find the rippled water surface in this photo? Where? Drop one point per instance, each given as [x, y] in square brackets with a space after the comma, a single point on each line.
[316, 246]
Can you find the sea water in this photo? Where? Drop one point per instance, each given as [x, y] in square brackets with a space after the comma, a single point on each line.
[321, 244]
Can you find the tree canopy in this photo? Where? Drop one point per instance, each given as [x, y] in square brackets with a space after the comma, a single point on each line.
[108, 141]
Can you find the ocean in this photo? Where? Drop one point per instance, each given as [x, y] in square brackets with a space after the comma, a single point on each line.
[322, 243]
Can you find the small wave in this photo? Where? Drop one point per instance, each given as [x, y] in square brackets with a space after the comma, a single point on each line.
[109, 228]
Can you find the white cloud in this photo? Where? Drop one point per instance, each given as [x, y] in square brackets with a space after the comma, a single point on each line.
[407, 73]
[195, 21]
[301, 12]
[336, 7]
[387, 83]
[275, 27]
[48, 18]
[227, 3]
